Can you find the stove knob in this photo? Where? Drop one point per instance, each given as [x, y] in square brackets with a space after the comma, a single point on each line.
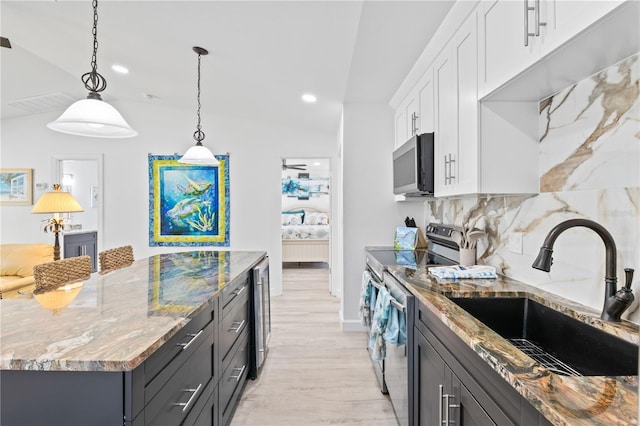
[449, 232]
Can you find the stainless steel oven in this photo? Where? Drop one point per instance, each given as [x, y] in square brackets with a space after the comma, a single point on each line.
[393, 371]
[376, 284]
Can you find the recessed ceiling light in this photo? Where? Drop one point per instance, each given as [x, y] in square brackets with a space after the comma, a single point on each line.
[120, 69]
[317, 163]
[309, 98]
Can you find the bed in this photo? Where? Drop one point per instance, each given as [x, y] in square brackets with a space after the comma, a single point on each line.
[305, 235]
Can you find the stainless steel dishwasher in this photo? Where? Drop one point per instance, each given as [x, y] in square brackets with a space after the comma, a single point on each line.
[396, 368]
[261, 315]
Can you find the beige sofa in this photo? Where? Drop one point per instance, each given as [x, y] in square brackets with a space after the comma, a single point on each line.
[16, 266]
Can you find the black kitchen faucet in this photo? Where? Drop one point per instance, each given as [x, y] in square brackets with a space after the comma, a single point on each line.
[615, 302]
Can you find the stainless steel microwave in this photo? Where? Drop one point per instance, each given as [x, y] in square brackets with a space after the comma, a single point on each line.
[413, 166]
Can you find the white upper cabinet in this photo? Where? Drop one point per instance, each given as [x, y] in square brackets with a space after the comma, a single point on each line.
[486, 72]
[446, 140]
[426, 119]
[517, 33]
[567, 18]
[401, 127]
[456, 112]
[465, 50]
[508, 47]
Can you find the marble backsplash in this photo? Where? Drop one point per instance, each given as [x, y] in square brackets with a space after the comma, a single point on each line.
[589, 166]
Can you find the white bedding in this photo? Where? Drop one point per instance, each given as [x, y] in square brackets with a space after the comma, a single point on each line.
[305, 232]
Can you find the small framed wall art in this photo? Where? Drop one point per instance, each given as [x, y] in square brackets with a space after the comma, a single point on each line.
[16, 186]
[188, 203]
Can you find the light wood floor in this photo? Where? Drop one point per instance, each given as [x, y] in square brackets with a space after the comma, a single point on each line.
[315, 374]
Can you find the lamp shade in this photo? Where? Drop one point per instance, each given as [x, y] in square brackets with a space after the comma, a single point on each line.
[93, 118]
[57, 202]
[199, 154]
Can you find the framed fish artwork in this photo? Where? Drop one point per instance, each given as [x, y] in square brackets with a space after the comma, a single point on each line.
[188, 203]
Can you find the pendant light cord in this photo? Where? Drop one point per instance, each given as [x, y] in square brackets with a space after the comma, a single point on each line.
[198, 135]
[92, 80]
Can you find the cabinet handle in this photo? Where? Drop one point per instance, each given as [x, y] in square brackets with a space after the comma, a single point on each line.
[185, 405]
[237, 327]
[448, 177]
[237, 292]
[527, 34]
[537, 15]
[414, 123]
[237, 376]
[193, 338]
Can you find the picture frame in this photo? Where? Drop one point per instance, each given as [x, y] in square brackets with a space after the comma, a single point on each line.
[16, 187]
[188, 203]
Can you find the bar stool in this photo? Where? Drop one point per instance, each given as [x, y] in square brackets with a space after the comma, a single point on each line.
[51, 275]
[115, 258]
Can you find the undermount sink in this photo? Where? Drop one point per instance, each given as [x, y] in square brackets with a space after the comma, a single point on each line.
[563, 344]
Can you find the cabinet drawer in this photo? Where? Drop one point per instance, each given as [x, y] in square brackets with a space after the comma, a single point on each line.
[178, 345]
[233, 379]
[202, 412]
[182, 390]
[238, 287]
[233, 324]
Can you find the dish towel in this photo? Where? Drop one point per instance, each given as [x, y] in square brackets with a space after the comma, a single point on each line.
[365, 299]
[392, 331]
[459, 271]
[379, 324]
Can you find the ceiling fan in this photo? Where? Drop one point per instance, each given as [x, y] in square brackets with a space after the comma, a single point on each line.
[286, 166]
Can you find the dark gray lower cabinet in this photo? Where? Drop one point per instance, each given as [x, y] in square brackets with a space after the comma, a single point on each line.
[82, 244]
[196, 378]
[442, 398]
[454, 386]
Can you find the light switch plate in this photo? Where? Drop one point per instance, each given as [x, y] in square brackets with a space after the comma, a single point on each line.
[515, 242]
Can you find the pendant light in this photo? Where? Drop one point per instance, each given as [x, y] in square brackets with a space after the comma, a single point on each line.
[199, 154]
[92, 116]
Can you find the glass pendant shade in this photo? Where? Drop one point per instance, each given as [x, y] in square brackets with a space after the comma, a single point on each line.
[199, 154]
[93, 118]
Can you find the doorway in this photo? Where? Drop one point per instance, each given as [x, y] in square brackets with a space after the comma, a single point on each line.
[82, 177]
[306, 213]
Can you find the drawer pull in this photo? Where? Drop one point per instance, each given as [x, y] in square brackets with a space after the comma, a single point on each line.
[193, 338]
[237, 377]
[237, 327]
[237, 292]
[185, 405]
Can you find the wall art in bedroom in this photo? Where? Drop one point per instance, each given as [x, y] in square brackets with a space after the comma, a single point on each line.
[305, 187]
[188, 204]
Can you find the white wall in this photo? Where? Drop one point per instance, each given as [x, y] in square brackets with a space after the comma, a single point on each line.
[255, 149]
[370, 212]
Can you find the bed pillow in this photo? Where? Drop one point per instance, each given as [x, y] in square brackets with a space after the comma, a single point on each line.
[292, 218]
[316, 219]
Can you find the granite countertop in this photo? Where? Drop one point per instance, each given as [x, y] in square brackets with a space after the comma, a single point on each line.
[119, 319]
[561, 399]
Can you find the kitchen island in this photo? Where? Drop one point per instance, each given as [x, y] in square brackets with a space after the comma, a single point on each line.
[560, 399]
[138, 346]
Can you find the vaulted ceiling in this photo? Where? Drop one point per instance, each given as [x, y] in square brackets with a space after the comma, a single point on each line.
[263, 55]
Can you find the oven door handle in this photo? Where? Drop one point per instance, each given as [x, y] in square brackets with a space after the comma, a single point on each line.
[399, 306]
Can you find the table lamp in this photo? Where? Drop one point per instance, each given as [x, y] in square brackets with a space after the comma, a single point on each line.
[56, 202]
